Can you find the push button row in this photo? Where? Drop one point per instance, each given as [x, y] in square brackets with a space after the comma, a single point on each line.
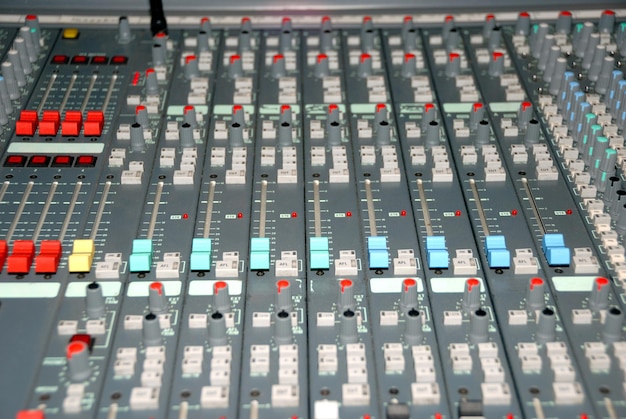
[51, 121]
[21, 258]
[84, 59]
[38, 160]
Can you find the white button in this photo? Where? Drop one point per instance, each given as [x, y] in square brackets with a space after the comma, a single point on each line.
[425, 374]
[214, 397]
[67, 327]
[459, 349]
[192, 366]
[425, 393]
[388, 318]
[462, 363]
[394, 363]
[355, 394]
[568, 393]
[531, 363]
[527, 348]
[133, 322]
[496, 394]
[155, 365]
[564, 374]
[144, 398]
[124, 368]
[357, 375]
[288, 376]
[284, 395]
[327, 363]
[260, 364]
[487, 350]
[326, 409]
[151, 379]
[452, 318]
[197, 321]
[95, 327]
[220, 364]
[127, 354]
[71, 404]
[556, 348]
[325, 319]
[220, 378]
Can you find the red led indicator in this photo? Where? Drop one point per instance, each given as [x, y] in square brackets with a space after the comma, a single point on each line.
[609, 12]
[568, 212]
[185, 216]
[160, 35]
[204, 20]
[514, 212]
[438, 416]
[286, 20]
[403, 213]
[457, 213]
[367, 19]
[348, 213]
[240, 215]
[325, 19]
[31, 17]
[99, 59]
[367, 417]
[584, 416]
[60, 59]
[245, 20]
[136, 77]
[408, 19]
[119, 59]
[510, 416]
[294, 215]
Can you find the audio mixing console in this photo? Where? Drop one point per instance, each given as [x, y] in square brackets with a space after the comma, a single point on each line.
[386, 219]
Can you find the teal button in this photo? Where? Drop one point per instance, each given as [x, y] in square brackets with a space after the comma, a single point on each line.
[201, 245]
[142, 246]
[259, 261]
[140, 262]
[319, 260]
[259, 244]
[379, 259]
[318, 244]
[200, 261]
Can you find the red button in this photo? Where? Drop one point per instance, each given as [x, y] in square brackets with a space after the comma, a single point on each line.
[71, 125]
[99, 59]
[25, 128]
[94, 124]
[119, 59]
[22, 257]
[39, 161]
[30, 414]
[85, 161]
[62, 161]
[15, 161]
[80, 59]
[60, 59]
[4, 250]
[47, 261]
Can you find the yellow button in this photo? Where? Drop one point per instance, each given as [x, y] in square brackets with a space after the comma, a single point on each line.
[84, 246]
[79, 262]
[70, 33]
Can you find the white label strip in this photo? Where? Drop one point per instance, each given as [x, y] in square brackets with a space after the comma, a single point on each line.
[573, 283]
[201, 288]
[452, 285]
[56, 148]
[392, 285]
[29, 289]
[142, 288]
[79, 289]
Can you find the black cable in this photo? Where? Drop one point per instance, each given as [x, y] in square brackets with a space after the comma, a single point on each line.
[157, 17]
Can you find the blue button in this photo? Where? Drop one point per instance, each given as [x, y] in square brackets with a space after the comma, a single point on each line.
[140, 262]
[436, 243]
[259, 261]
[552, 240]
[558, 256]
[319, 260]
[200, 261]
[379, 259]
[201, 245]
[377, 243]
[318, 244]
[499, 258]
[495, 242]
[437, 258]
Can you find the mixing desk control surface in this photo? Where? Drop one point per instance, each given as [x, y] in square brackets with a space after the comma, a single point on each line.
[384, 220]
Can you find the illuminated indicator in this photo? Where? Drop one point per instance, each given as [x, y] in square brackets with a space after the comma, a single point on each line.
[294, 215]
[157, 286]
[524, 14]
[136, 77]
[240, 215]
[568, 212]
[348, 213]
[185, 216]
[281, 285]
[190, 58]
[381, 107]
[457, 213]
[403, 213]
[514, 212]
[278, 57]
[321, 57]
[220, 285]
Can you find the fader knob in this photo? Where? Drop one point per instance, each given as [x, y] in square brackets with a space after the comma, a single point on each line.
[286, 37]
[4, 118]
[554, 54]
[448, 25]
[123, 30]
[185, 135]
[453, 39]
[536, 42]
[477, 114]
[189, 116]
[137, 141]
[217, 329]
[433, 133]
[367, 34]
[408, 65]
[283, 295]
[564, 22]
[205, 25]
[94, 301]
[413, 326]
[610, 195]
[490, 23]
[9, 76]
[479, 326]
[322, 66]
[471, 295]
[524, 114]
[333, 127]
[346, 295]
[32, 47]
[235, 67]
[588, 55]
[18, 71]
[235, 129]
[158, 55]
[483, 132]
[599, 299]
[607, 22]
[495, 36]
[409, 34]
[20, 46]
[453, 65]
[535, 299]
[326, 35]
[152, 86]
[32, 22]
[245, 35]
[532, 132]
[617, 207]
[157, 300]
[160, 38]
[496, 64]
[285, 131]
[278, 66]
[282, 327]
[557, 76]
[141, 116]
[546, 47]
[221, 297]
[348, 332]
[612, 330]
[428, 115]
[77, 355]
[546, 326]
[151, 330]
[191, 67]
[581, 39]
[522, 25]
[597, 62]
[202, 42]
[408, 297]
[383, 133]
[620, 225]
[5, 99]
[365, 65]
[604, 77]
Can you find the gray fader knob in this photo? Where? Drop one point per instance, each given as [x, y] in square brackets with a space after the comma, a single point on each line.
[189, 116]
[581, 39]
[612, 330]
[137, 141]
[597, 62]
[202, 42]
[471, 295]
[157, 299]
[408, 65]
[20, 45]
[278, 66]
[346, 295]
[152, 85]
[14, 58]
[429, 114]
[322, 66]
[413, 326]
[283, 295]
[217, 329]
[495, 36]
[333, 126]
[235, 129]
[408, 297]
[433, 133]
[235, 67]
[496, 64]
[604, 78]
[77, 355]
[522, 26]
[282, 327]
[535, 299]
[95, 301]
[476, 115]
[32, 47]
[141, 116]
[453, 65]
[607, 21]
[245, 35]
[191, 67]
[599, 299]
[326, 35]
[348, 332]
[564, 22]
[453, 39]
[9, 76]
[367, 34]
[158, 55]
[185, 135]
[285, 132]
[151, 330]
[123, 30]
[546, 326]
[365, 65]
[490, 23]
[479, 326]
[205, 25]
[409, 34]
[532, 132]
[483, 132]
[383, 133]
[221, 297]
[524, 114]
[286, 36]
